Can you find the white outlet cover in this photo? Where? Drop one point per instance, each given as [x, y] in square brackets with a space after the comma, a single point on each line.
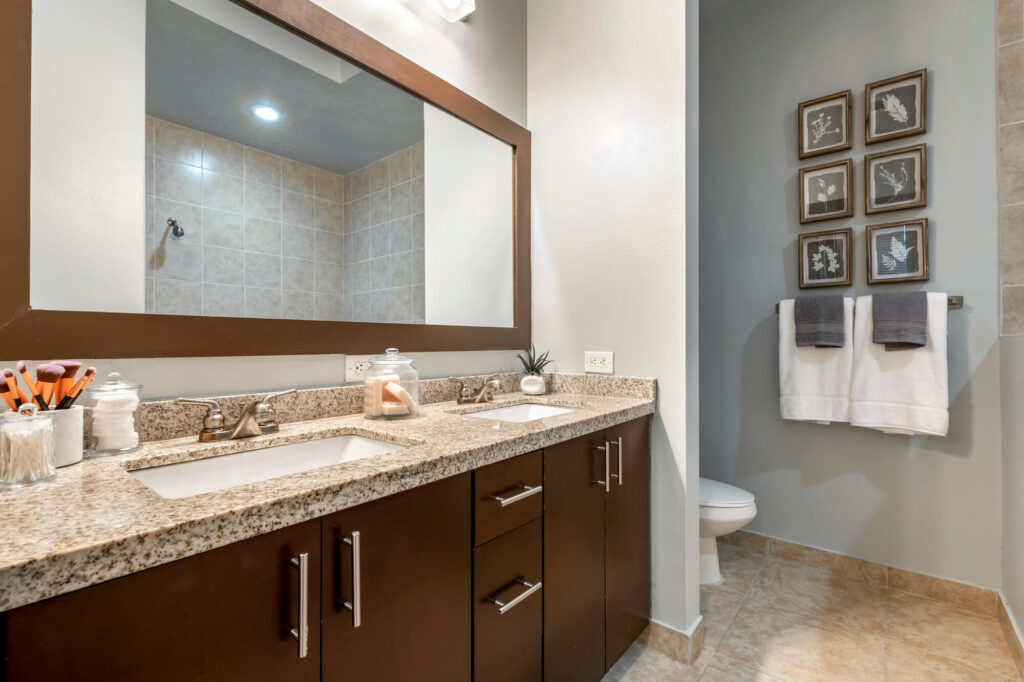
[356, 366]
[599, 362]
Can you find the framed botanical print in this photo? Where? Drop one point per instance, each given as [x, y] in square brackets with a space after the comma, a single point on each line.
[826, 191]
[825, 258]
[898, 252]
[825, 124]
[896, 107]
[896, 180]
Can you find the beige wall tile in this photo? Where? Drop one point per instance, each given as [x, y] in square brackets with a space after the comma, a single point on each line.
[262, 270]
[400, 166]
[400, 306]
[380, 306]
[380, 241]
[357, 215]
[262, 236]
[359, 309]
[401, 269]
[223, 156]
[189, 217]
[221, 228]
[845, 566]
[380, 208]
[223, 266]
[178, 181]
[178, 260]
[262, 201]
[401, 200]
[265, 303]
[223, 300]
[1011, 83]
[357, 184]
[329, 247]
[358, 277]
[416, 159]
[177, 143]
[1011, 244]
[1013, 310]
[329, 307]
[261, 166]
[357, 246]
[297, 242]
[1011, 164]
[379, 176]
[328, 215]
[967, 597]
[178, 297]
[329, 186]
[1010, 21]
[223, 192]
[297, 209]
[297, 176]
[298, 305]
[297, 275]
[329, 278]
[380, 273]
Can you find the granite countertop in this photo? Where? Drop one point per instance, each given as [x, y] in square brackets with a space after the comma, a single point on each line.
[96, 522]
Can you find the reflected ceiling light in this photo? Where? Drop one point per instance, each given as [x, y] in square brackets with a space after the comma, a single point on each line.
[452, 10]
[266, 112]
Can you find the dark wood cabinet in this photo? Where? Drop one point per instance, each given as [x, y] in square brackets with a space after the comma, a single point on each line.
[574, 501]
[221, 615]
[627, 539]
[508, 494]
[597, 561]
[508, 606]
[412, 553]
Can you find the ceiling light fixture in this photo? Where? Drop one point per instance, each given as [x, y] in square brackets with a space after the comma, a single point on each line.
[452, 10]
[266, 112]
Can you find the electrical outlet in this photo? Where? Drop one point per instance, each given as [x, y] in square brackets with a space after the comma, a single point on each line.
[356, 366]
[599, 362]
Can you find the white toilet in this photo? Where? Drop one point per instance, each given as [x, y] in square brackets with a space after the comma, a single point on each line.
[723, 509]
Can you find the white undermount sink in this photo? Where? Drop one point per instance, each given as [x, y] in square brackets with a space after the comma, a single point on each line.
[227, 471]
[527, 412]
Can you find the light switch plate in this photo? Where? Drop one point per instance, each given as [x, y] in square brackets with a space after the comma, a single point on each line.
[599, 362]
[356, 366]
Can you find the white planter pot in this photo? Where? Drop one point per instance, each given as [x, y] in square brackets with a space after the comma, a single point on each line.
[533, 385]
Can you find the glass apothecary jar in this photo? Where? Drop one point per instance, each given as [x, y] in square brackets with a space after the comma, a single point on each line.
[115, 416]
[26, 447]
[391, 389]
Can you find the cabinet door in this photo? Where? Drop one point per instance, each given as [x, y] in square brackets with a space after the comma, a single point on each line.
[413, 556]
[221, 615]
[628, 538]
[574, 498]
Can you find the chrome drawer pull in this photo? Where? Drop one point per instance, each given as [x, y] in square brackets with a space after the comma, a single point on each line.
[528, 490]
[607, 482]
[356, 605]
[608, 444]
[504, 607]
[301, 633]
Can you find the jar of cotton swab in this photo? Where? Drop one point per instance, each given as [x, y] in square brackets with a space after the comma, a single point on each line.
[26, 447]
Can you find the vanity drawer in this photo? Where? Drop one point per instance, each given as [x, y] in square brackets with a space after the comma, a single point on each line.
[508, 494]
[508, 606]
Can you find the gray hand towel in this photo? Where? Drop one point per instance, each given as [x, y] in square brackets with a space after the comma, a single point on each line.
[819, 321]
[900, 321]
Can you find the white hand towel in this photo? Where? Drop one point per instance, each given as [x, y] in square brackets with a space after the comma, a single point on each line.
[814, 383]
[901, 391]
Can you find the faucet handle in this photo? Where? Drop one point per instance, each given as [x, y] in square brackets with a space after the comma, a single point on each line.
[278, 394]
[263, 409]
[214, 418]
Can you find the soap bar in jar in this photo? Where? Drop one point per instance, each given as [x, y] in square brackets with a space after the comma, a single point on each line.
[391, 387]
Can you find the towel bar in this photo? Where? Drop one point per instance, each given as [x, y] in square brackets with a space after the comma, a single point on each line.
[953, 302]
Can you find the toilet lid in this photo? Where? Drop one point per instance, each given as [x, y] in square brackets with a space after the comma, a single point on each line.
[718, 494]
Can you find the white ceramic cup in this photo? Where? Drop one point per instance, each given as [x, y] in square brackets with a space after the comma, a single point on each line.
[68, 437]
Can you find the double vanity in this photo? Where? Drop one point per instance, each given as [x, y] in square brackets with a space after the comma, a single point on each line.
[506, 540]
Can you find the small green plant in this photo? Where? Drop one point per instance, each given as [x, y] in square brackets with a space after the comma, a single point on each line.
[532, 363]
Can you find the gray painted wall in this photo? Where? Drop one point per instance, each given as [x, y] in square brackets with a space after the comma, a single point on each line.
[925, 504]
[1012, 357]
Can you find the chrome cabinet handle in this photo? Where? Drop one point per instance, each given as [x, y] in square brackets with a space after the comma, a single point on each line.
[528, 490]
[301, 633]
[356, 605]
[505, 607]
[607, 482]
[608, 444]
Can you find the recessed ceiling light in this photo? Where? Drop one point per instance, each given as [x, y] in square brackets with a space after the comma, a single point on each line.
[452, 10]
[266, 112]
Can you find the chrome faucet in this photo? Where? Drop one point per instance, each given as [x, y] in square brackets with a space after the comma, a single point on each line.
[484, 394]
[257, 418]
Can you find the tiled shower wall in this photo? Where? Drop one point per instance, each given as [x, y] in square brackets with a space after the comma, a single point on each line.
[266, 236]
[1011, 164]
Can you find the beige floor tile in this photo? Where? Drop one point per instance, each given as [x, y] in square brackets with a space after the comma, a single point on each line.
[724, 669]
[739, 566]
[966, 597]
[905, 663]
[718, 605]
[818, 594]
[785, 645]
[845, 566]
[742, 538]
[641, 664]
[942, 629]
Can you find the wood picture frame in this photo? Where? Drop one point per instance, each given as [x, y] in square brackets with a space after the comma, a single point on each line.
[819, 252]
[821, 187]
[906, 257]
[818, 128]
[896, 107]
[888, 174]
[32, 333]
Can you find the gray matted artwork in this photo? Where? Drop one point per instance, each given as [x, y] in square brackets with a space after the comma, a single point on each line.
[895, 109]
[826, 193]
[825, 127]
[898, 252]
[894, 182]
[824, 258]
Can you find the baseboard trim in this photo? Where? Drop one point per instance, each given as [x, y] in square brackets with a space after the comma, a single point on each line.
[680, 646]
[1012, 632]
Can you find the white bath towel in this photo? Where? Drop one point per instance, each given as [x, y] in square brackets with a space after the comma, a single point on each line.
[814, 383]
[901, 391]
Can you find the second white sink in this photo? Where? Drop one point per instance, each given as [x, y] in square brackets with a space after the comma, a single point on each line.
[217, 473]
[527, 412]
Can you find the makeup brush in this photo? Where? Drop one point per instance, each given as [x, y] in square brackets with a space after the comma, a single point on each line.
[71, 396]
[12, 386]
[65, 383]
[31, 385]
[5, 393]
[46, 378]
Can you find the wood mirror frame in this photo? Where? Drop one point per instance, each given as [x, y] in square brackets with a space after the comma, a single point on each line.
[35, 334]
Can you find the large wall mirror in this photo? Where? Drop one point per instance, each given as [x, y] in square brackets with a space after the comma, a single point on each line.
[210, 167]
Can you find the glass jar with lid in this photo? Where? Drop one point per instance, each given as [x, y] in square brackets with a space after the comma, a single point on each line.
[391, 387]
[114, 417]
[26, 447]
